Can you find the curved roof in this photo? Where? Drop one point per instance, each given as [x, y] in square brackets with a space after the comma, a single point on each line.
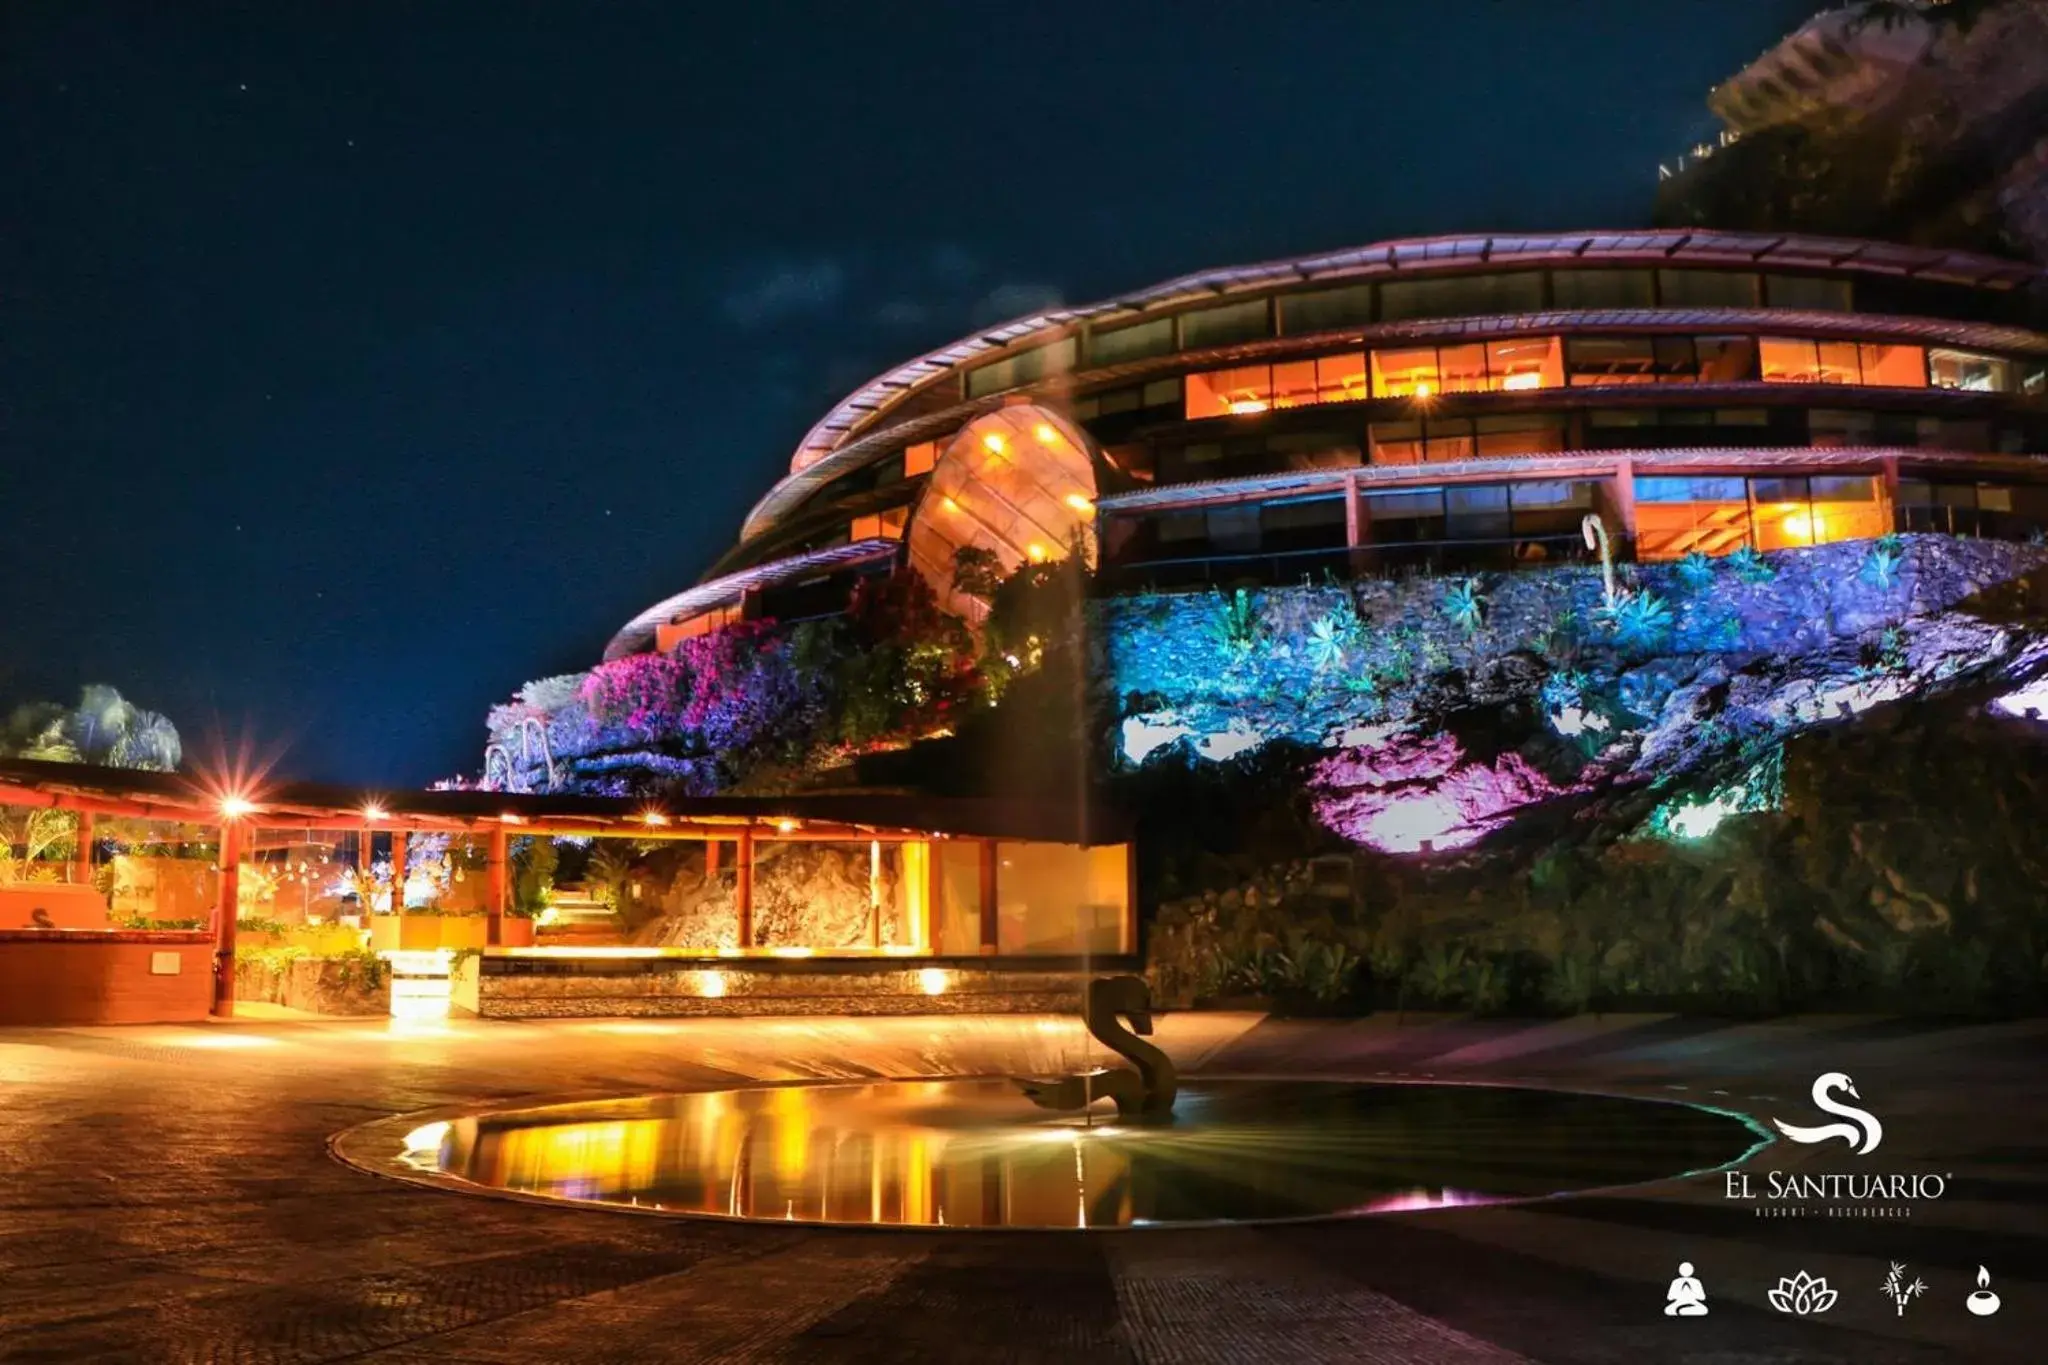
[1415, 256]
[638, 633]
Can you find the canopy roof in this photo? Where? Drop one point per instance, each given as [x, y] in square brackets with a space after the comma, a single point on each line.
[124, 792]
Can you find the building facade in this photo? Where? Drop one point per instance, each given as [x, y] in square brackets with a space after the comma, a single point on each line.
[1452, 402]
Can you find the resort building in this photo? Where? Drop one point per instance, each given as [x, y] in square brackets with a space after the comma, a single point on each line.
[1450, 401]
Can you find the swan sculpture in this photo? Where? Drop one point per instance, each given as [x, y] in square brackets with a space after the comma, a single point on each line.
[1862, 1126]
[1144, 1090]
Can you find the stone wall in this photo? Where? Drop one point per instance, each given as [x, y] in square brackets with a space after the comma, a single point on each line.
[784, 989]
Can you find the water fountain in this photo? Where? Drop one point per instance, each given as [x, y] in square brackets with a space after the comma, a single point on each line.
[975, 1152]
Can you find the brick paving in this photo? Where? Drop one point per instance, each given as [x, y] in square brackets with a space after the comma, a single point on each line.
[167, 1195]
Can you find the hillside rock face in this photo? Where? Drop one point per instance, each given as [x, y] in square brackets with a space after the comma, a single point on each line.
[805, 894]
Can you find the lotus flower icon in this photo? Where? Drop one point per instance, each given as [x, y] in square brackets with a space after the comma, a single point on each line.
[1802, 1295]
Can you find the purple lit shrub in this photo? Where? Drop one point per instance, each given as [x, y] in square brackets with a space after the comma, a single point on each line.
[1413, 790]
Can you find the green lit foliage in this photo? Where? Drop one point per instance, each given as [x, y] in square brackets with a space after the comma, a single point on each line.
[1881, 564]
[909, 666]
[1237, 627]
[610, 864]
[1751, 567]
[1465, 605]
[1695, 570]
[533, 875]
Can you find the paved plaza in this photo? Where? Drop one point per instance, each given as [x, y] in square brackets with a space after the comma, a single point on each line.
[168, 1196]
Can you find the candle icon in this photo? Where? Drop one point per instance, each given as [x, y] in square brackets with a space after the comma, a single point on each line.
[1983, 1303]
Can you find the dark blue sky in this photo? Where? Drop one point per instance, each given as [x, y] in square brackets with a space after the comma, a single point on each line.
[359, 361]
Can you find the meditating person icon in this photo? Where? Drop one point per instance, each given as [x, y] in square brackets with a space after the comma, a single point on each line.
[1688, 1297]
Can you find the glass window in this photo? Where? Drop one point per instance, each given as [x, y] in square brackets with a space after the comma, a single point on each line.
[920, 458]
[1396, 442]
[1023, 368]
[1326, 309]
[1223, 324]
[1675, 516]
[1061, 898]
[1519, 435]
[1706, 289]
[1341, 378]
[881, 526]
[1218, 393]
[1405, 517]
[1726, 360]
[1118, 400]
[1406, 373]
[1525, 363]
[1836, 362]
[1162, 393]
[1301, 524]
[1602, 289]
[1462, 369]
[1463, 296]
[1676, 362]
[2036, 382]
[1833, 427]
[956, 918]
[1788, 360]
[1807, 291]
[1552, 508]
[1136, 341]
[1312, 449]
[1949, 369]
[1294, 383]
[1477, 512]
[1666, 489]
[1610, 360]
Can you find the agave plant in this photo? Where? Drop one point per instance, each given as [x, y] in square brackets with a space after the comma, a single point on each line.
[1442, 970]
[1465, 604]
[1638, 620]
[1750, 566]
[1327, 643]
[1881, 564]
[1695, 570]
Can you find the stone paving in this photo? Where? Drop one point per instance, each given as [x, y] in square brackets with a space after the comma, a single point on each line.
[168, 1196]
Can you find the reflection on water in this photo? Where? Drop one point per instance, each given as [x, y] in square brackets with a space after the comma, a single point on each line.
[976, 1154]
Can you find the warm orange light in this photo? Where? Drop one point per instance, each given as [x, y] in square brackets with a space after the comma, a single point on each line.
[711, 985]
[1424, 389]
[1800, 526]
[1079, 502]
[1037, 552]
[373, 812]
[949, 504]
[508, 818]
[1242, 406]
[1530, 380]
[993, 443]
[785, 825]
[1045, 434]
[653, 817]
[932, 980]
[235, 807]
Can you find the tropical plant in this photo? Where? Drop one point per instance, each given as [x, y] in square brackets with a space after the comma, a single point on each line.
[1237, 628]
[1638, 620]
[104, 728]
[1326, 644]
[611, 863]
[1465, 605]
[1751, 567]
[1881, 564]
[534, 860]
[977, 572]
[1695, 570]
[1442, 970]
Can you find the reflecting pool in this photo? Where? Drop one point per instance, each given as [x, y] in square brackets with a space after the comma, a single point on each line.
[974, 1153]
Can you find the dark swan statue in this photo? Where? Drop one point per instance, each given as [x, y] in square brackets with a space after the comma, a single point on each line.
[1145, 1090]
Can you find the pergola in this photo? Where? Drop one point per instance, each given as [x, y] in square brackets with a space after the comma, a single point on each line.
[497, 817]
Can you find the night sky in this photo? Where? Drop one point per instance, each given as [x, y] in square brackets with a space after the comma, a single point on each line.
[360, 361]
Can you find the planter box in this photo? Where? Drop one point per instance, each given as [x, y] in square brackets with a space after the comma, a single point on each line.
[515, 932]
[114, 976]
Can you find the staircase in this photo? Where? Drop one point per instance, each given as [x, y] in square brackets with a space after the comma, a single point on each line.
[580, 919]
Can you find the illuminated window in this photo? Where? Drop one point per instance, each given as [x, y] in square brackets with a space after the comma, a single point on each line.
[1969, 370]
[1341, 378]
[1233, 392]
[1405, 374]
[1675, 516]
[1788, 360]
[1836, 362]
[1782, 512]
[1462, 368]
[881, 526]
[1294, 384]
[1848, 507]
[920, 458]
[1525, 363]
[1062, 898]
[1518, 435]
[1893, 367]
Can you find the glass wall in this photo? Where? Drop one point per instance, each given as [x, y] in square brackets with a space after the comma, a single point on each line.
[1062, 898]
[1717, 515]
[1951, 369]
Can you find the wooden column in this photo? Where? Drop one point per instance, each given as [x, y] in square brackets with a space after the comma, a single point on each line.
[494, 931]
[81, 859]
[224, 916]
[397, 871]
[711, 847]
[989, 920]
[1889, 468]
[1625, 499]
[743, 891]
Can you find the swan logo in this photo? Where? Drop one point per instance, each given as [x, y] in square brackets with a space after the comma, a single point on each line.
[1860, 1128]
